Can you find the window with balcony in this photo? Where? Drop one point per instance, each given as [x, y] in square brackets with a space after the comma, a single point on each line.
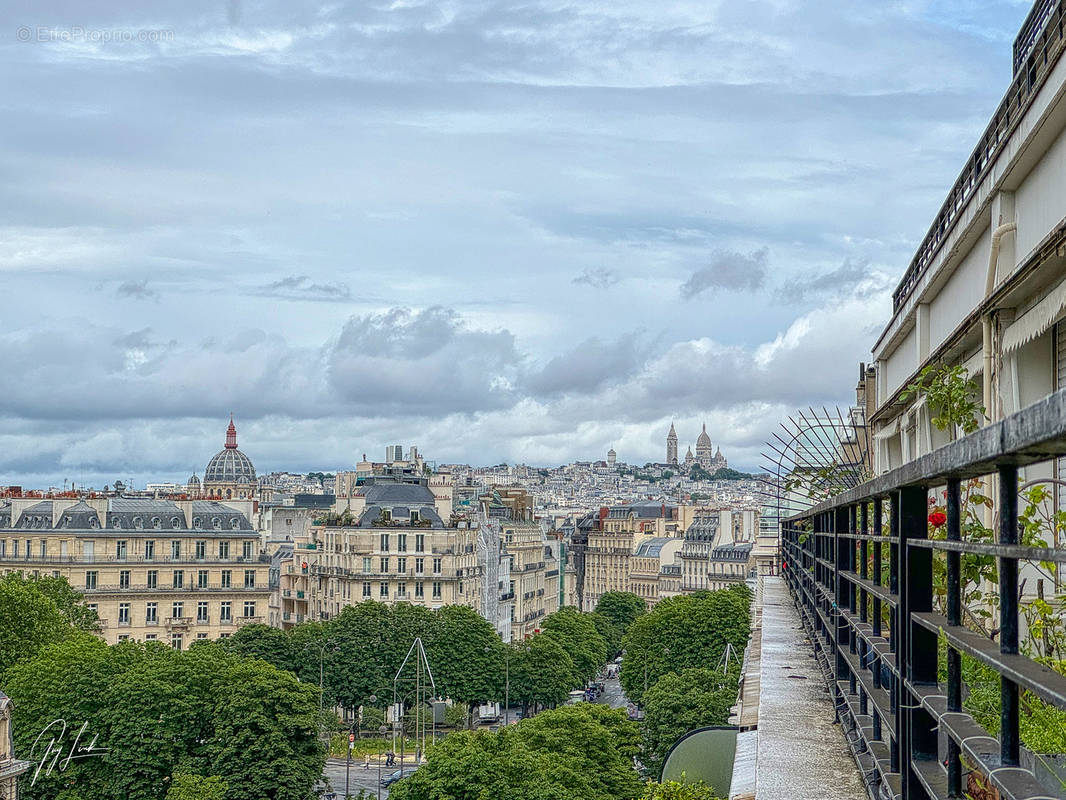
[3, 548]
[385, 564]
[225, 611]
[401, 589]
[223, 551]
[401, 565]
[420, 543]
[123, 613]
[227, 579]
[201, 579]
[90, 579]
[420, 566]
[201, 612]
[436, 590]
[437, 565]
[246, 550]
[249, 608]
[368, 564]
[179, 579]
[123, 579]
[43, 548]
[151, 614]
[175, 550]
[249, 579]
[420, 589]
[383, 589]
[149, 550]
[201, 551]
[152, 578]
[366, 588]
[401, 542]
[121, 549]
[384, 543]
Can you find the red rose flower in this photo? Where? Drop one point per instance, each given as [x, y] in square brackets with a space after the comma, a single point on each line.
[937, 518]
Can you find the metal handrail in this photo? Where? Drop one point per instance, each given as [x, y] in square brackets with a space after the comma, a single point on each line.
[884, 676]
[1048, 39]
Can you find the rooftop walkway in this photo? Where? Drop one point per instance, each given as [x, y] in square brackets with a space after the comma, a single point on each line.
[798, 750]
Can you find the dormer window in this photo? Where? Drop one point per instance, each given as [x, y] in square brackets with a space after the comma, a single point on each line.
[197, 523]
[386, 514]
[157, 523]
[175, 523]
[414, 516]
[216, 523]
[235, 524]
[138, 523]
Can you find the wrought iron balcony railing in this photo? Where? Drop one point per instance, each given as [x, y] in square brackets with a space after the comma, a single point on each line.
[884, 675]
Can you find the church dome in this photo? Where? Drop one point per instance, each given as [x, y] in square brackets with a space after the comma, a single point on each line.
[229, 464]
[703, 440]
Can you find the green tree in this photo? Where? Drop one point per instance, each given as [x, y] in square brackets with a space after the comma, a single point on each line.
[579, 752]
[675, 790]
[679, 703]
[466, 657]
[683, 632]
[184, 786]
[609, 632]
[477, 766]
[362, 663]
[71, 603]
[591, 749]
[273, 645]
[578, 636]
[541, 672]
[30, 619]
[159, 711]
[621, 608]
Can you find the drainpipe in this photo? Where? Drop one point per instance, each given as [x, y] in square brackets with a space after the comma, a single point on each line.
[986, 350]
[986, 320]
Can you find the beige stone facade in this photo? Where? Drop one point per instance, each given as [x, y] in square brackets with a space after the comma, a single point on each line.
[159, 570]
[386, 542]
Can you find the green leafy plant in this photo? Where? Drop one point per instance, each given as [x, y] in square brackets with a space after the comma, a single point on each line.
[952, 397]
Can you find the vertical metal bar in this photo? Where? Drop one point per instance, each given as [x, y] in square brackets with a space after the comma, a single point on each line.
[954, 609]
[864, 572]
[893, 631]
[1008, 612]
[878, 523]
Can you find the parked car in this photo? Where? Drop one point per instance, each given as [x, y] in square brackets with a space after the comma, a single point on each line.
[391, 778]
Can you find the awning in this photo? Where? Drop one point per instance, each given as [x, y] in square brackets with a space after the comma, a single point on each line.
[1036, 320]
[891, 430]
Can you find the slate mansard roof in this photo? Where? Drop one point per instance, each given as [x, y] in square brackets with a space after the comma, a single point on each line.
[129, 514]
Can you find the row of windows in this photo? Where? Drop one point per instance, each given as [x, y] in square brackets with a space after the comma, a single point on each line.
[177, 579]
[401, 589]
[176, 640]
[123, 551]
[401, 564]
[177, 611]
[386, 540]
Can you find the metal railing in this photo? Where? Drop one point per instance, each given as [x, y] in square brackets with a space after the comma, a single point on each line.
[877, 635]
[1041, 52]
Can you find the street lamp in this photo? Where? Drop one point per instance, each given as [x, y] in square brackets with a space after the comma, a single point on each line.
[321, 660]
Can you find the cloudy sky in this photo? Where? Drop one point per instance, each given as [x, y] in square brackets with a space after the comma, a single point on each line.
[502, 231]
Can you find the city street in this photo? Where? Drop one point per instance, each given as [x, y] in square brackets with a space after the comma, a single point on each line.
[359, 778]
[613, 695]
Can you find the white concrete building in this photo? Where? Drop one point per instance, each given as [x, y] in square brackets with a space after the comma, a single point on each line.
[987, 287]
